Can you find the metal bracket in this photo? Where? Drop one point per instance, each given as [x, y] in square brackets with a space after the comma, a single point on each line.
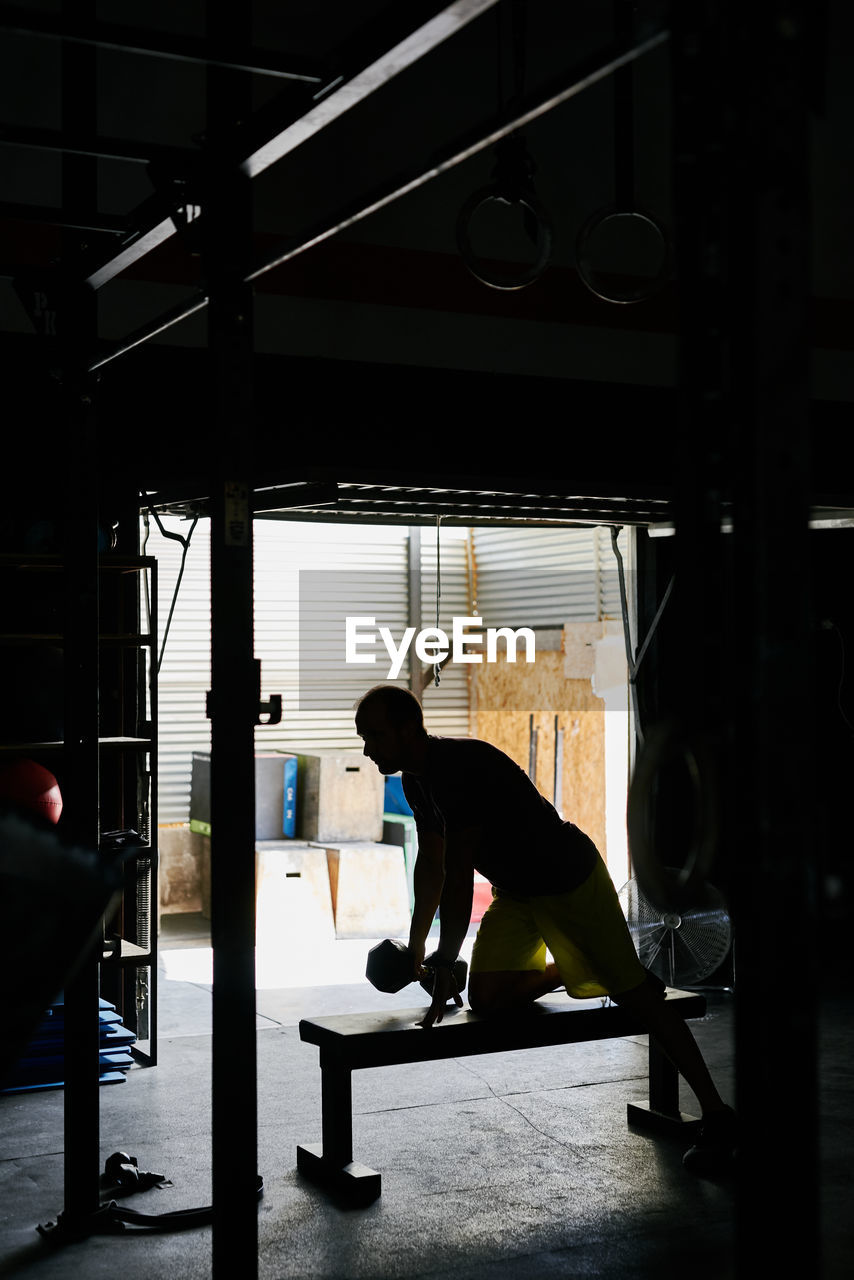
[271, 708]
[185, 206]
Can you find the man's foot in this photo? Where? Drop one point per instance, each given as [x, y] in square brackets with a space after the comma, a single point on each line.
[714, 1149]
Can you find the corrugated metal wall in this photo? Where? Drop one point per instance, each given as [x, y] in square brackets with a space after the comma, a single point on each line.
[446, 706]
[184, 675]
[546, 577]
[308, 578]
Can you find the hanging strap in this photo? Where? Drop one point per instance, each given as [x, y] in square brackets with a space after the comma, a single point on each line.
[624, 111]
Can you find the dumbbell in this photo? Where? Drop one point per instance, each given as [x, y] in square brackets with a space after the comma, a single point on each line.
[389, 967]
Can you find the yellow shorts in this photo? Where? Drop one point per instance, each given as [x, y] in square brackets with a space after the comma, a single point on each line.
[585, 931]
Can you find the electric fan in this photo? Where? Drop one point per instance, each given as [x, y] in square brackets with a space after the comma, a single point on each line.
[680, 947]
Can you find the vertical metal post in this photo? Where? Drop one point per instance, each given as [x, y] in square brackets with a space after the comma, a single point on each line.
[701, 212]
[770, 69]
[234, 699]
[740, 120]
[81, 798]
[76, 327]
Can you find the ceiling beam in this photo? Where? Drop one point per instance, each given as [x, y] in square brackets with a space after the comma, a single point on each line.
[146, 42]
[408, 511]
[50, 216]
[376, 68]
[68, 143]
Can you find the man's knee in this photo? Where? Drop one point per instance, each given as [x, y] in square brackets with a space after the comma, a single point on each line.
[501, 991]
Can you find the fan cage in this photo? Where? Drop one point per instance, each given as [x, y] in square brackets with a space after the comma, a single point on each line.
[684, 947]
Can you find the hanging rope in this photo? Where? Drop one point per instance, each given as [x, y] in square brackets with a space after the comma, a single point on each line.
[624, 227]
[633, 664]
[513, 175]
[185, 543]
[436, 666]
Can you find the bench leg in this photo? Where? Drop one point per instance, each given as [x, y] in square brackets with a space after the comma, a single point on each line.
[661, 1113]
[331, 1163]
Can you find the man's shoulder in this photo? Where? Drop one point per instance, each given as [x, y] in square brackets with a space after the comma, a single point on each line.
[463, 751]
[444, 745]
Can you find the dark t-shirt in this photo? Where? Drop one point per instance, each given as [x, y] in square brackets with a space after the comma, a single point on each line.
[526, 848]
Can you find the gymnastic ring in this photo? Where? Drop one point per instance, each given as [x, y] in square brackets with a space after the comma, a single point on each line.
[529, 202]
[664, 743]
[587, 273]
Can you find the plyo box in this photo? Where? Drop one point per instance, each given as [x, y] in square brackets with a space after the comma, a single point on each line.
[367, 882]
[293, 898]
[293, 901]
[275, 794]
[339, 797]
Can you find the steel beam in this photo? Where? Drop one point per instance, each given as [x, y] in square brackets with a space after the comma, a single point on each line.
[429, 521]
[426, 503]
[74, 143]
[145, 333]
[145, 42]
[74, 218]
[348, 90]
[416, 496]
[138, 244]
[410, 512]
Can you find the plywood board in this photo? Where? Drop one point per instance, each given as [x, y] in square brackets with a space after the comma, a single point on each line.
[505, 697]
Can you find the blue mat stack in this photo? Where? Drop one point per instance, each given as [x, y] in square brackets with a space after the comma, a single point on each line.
[43, 1063]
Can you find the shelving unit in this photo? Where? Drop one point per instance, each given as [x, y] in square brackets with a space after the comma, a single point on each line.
[32, 587]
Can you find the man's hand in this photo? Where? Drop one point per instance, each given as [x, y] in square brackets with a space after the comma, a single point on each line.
[444, 988]
[416, 952]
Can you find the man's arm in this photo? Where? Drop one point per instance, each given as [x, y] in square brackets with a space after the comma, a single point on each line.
[428, 878]
[455, 916]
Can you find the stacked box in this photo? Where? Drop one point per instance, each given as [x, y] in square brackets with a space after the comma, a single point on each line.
[370, 895]
[339, 797]
[275, 794]
[292, 895]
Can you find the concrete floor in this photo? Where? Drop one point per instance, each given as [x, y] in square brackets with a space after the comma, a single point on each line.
[507, 1166]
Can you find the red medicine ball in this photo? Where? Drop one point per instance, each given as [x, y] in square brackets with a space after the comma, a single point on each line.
[28, 785]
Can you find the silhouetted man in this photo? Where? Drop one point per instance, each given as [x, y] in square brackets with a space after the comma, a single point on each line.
[476, 810]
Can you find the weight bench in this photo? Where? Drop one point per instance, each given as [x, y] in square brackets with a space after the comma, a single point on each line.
[350, 1041]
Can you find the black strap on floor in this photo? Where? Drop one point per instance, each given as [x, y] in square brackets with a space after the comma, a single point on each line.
[112, 1218]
